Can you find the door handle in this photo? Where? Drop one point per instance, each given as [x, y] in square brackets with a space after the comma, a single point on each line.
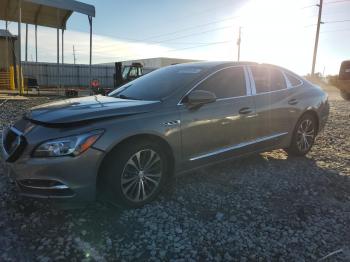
[245, 110]
[293, 101]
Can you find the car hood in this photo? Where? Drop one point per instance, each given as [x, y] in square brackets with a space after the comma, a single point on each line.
[87, 108]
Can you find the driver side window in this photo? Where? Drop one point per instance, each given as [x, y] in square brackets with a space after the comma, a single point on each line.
[227, 83]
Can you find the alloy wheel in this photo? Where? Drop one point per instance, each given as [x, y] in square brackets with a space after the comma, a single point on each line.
[141, 175]
[305, 135]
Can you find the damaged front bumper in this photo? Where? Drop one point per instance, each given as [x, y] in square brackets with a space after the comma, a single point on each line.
[58, 178]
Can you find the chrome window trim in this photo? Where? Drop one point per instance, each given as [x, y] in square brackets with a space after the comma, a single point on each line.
[247, 83]
[237, 146]
[263, 93]
[271, 92]
[230, 98]
[252, 82]
[292, 75]
[289, 84]
[248, 88]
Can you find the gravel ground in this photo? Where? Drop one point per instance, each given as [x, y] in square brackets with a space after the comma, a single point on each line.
[268, 207]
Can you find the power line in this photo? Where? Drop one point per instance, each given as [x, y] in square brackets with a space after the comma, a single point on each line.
[308, 6]
[188, 43]
[181, 37]
[178, 31]
[199, 46]
[185, 36]
[189, 15]
[336, 2]
[178, 49]
[333, 31]
[338, 21]
[194, 27]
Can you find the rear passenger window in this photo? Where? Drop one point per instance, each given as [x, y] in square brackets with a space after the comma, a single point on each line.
[294, 81]
[261, 79]
[268, 79]
[226, 83]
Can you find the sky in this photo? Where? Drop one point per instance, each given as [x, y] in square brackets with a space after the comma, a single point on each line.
[280, 32]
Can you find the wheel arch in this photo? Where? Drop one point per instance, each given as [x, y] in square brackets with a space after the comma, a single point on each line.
[313, 112]
[131, 139]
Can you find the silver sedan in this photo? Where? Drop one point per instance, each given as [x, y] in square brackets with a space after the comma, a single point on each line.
[124, 147]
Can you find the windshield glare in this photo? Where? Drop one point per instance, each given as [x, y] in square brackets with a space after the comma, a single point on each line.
[158, 84]
[125, 72]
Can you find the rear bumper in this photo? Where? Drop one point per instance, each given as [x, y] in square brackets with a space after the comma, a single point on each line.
[323, 114]
[343, 85]
[62, 178]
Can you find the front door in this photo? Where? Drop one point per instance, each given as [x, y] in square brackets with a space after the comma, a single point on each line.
[221, 127]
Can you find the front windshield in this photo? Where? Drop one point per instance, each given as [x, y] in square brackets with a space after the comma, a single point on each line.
[158, 84]
[125, 72]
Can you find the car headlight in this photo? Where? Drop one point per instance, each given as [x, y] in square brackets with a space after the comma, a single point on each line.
[67, 146]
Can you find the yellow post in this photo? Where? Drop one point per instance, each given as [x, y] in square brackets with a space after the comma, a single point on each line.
[21, 87]
[22, 84]
[12, 78]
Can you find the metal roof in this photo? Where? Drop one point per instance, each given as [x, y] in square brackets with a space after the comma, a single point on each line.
[49, 13]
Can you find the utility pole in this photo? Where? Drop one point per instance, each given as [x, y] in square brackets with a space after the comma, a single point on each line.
[319, 22]
[26, 58]
[74, 57]
[239, 44]
[36, 43]
[62, 46]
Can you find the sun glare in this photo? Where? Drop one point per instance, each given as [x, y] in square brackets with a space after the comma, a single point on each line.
[272, 32]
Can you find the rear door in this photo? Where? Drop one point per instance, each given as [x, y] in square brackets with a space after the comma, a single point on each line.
[216, 128]
[273, 108]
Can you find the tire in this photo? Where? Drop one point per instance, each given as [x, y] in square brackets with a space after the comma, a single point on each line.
[345, 95]
[304, 135]
[135, 174]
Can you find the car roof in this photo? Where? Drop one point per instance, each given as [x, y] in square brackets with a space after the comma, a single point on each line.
[212, 64]
[217, 65]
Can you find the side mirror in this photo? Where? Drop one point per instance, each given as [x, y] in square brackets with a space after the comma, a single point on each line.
[198, 98]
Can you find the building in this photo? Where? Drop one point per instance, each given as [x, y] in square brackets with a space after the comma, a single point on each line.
[8, 59]
[150, 64]
[78, 75]
[7, 46]
[159, 62]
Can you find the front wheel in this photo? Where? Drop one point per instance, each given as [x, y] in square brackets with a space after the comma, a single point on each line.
[136, 173]
[304, 136]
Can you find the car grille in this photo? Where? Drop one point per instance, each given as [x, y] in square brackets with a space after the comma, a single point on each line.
[13, 143]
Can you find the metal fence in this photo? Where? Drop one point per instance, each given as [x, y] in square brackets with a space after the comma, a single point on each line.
[71, 75]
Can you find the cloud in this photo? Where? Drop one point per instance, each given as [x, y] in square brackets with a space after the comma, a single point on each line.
[105, 49]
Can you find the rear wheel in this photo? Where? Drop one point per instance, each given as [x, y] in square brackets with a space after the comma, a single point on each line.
[135, 173]
[345, 95]
[304, 136]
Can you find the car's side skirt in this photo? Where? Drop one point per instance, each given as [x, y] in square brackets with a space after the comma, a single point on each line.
[239, 146]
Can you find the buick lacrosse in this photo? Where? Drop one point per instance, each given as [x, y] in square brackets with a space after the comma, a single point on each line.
[126, 145]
